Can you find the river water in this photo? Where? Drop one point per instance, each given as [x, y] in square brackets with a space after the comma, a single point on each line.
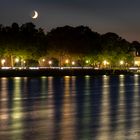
[70, 108]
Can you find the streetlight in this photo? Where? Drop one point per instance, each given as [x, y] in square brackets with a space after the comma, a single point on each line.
[3, 62]
[43, 60]
[67, 61]
[73, 63]
[136, 63]
[121, 62]
[50, 62]
[105, 62]
[16, 60]
[87, 61]
[24, 62]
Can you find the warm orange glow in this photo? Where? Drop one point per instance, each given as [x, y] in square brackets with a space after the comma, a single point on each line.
[43, 60]
[67, 61]
[136, 63]
[105, 62]
[16, 60]
[73, 63]
[50, 62]
[121, 62]
[3, 61]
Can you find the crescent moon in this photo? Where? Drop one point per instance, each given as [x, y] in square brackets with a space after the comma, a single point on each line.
[35, 15]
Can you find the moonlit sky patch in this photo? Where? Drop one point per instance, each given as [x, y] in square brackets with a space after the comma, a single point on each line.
[119, 16]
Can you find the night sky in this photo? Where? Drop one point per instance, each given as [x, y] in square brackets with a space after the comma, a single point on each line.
[119, 16]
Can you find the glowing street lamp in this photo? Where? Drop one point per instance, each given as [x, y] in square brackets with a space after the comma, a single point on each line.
[16, 60]
[67, 61]
[3, 62]
[50, 62]
[105, 62]
[24, 63]
[87, 61]
[73, 63]
[43, 60]
[136, 62]
[121, 62]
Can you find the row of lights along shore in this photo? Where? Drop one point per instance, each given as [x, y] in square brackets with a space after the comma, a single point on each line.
[67, 61]
[87, 62]
[49, 62]
[17, 60]
[3, 61]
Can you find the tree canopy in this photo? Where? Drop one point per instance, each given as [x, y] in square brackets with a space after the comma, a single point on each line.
[75, 43]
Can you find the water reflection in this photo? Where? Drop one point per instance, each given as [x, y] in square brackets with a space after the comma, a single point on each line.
[104, 114]
[120, 129]
[17, 111]
[4, 115]
[114, 104]
[73, 108]
[83, 109]
[67, 123]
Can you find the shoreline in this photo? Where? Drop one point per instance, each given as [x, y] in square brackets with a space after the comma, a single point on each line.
[64, 72]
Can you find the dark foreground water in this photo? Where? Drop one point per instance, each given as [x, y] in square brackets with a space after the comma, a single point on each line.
[70, 108]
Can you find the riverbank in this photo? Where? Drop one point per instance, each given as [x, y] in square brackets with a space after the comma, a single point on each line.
[60, 72]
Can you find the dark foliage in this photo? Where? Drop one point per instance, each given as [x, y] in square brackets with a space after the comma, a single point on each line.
[29, 43]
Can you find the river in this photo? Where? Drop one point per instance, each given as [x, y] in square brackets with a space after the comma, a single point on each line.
[70, 108]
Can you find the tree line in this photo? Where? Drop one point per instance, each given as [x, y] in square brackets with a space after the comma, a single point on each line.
[77, 44]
